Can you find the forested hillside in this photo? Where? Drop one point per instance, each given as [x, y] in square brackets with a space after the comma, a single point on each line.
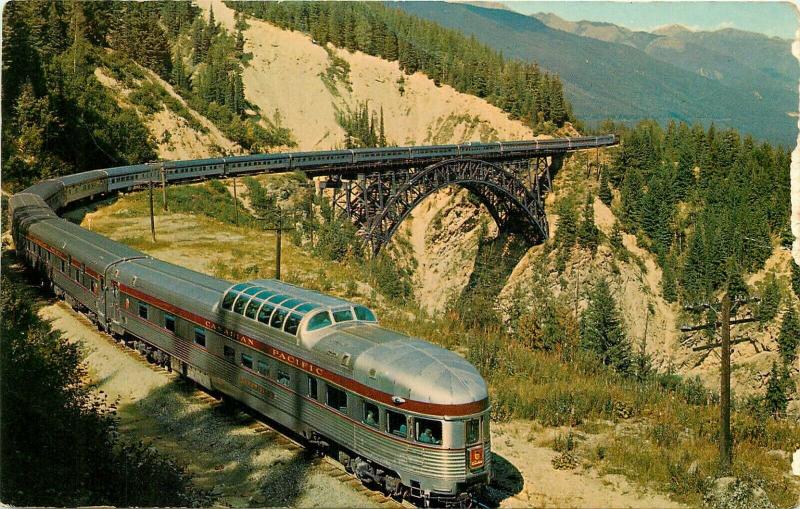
[710, 204]
[58, 118]
[521, 89]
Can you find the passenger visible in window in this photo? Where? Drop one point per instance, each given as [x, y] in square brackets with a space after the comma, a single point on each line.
[426, 437]
[370, 414]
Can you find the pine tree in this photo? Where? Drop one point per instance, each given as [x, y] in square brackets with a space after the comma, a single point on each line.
[605, 190]
[567, 226]
[602, 332]
[668, 284]
[770, 300]
[588, 233]
[795, 279]
[616, 236]
[789, 336]
[776, 399]
[382, 136]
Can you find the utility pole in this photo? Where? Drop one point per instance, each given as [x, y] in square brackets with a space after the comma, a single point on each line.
[727, 309]
[279, 228]
[152, 218]
[164, 186]
[235, 201]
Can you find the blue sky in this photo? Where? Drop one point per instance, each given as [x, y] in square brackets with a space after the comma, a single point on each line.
[771, 18]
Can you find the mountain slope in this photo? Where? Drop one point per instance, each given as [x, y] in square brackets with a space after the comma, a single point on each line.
[611, 80]
[742, 60]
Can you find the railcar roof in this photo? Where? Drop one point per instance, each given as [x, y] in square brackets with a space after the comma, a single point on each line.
[401, 365]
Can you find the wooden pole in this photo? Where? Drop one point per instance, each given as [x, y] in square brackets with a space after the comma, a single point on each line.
[235, 201]
[164, 187]
[725, 448]
[278, 232]
[152, 218]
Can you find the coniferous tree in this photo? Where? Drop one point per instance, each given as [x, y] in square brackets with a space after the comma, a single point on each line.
[616, 236]
[567, 232]
[770, 300]
[795, 278]
[605, 190]
[789, 336]
[602, 331]
[776, 399]
[669, 286]
[588, 234]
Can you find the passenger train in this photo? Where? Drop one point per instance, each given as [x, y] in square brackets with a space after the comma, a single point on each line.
[398, 411]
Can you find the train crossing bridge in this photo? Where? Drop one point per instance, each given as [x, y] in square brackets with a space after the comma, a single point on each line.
[510, 182]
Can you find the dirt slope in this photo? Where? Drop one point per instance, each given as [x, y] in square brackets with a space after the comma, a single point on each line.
[284, 77]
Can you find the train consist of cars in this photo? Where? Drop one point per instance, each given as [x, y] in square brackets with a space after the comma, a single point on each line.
[398, 411]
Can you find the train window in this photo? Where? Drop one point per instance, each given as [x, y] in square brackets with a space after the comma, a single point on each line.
[200, 336]
[371, 414]
[92, 286]
[143, 311]
[265, 294]
[343, 315]
[247, 361]
[318, 321]
[240, 302]
[365, 314]
[396, 424]
[291, 323]
[252, 291]
[262, 367]
[473, 431]
[305, 307]
[277, 299]
[283, 378]
[336, 398]
[227, 302]
[264, 313]
[252, 308]
[169, 322]
[229, 353]
[291, 303]
[427, 431]
[63, 266]
[312, 387]
[277, 318]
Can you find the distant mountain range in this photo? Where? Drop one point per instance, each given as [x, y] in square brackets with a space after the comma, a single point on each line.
[731, 77]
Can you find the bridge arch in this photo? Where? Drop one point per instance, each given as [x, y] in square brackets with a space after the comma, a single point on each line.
[513, 205]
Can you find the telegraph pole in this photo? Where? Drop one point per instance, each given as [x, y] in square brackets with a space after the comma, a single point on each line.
[728, 308]
[235, 201]
[152, 218]
[725, 446]
[164, 186]
[278, 229]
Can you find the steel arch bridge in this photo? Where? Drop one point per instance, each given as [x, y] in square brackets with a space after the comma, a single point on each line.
[512, 192]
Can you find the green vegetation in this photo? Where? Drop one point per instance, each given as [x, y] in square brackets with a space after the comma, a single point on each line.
[363, 128]
[707, 203]
[57, 117]
[61, 445]
[521, 89]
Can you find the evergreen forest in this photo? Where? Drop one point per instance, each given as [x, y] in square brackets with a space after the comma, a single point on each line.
[523, 90]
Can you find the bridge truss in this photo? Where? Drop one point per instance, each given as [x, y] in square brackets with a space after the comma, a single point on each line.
[512, 191]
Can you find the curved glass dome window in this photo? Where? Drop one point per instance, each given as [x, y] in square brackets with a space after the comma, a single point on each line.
[277, 299]
[264, 313]
[365, 314]
[227, 301]
[305, 308]
[255, 303]
[291, 303]
[265, 294]
[319, 321]
[238, 306]
[343, 315]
